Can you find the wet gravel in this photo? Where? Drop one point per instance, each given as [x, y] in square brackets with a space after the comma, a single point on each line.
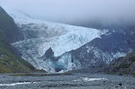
[74, 81]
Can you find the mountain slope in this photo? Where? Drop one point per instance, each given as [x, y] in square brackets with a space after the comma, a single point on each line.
[8, 27]
[9, 32]
[123, 65]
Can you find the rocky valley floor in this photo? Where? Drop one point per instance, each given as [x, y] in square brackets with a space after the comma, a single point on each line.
[69, 81]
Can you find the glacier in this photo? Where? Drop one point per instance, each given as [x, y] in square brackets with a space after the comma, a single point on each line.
[41, 35]
[57, 47]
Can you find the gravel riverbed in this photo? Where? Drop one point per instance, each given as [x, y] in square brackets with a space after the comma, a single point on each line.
[73, 81]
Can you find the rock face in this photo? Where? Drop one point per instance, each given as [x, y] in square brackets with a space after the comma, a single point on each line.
[49, 53]
[9, 33]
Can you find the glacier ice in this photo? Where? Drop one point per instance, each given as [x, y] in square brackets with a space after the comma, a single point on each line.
[40, 35]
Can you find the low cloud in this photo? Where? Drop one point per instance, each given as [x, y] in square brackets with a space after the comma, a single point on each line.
[73, 11]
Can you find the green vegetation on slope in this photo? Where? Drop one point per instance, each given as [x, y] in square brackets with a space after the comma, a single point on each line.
[9, 32]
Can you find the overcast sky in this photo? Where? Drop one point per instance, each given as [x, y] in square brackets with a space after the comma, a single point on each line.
[74, 10]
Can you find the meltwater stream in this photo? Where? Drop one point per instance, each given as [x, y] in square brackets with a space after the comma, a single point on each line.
[71, 81]
[18, 83]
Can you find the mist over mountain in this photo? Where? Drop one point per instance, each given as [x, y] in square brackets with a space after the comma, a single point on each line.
[77, 12]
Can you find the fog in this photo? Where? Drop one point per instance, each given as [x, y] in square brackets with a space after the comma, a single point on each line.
[74, 11]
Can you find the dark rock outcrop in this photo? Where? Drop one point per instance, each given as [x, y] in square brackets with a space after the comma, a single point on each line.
[49, 53]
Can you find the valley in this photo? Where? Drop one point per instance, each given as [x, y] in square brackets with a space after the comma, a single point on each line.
[39, 54]
[74, 81]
